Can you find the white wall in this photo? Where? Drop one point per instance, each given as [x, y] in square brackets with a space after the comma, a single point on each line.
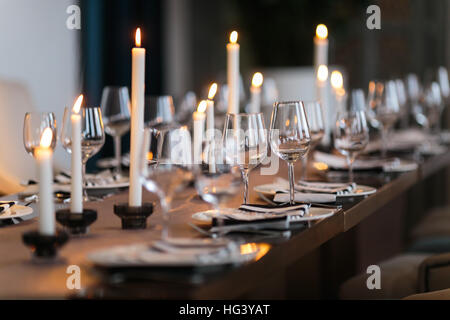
[38, 51]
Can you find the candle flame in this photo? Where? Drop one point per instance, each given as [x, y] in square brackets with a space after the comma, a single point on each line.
[46, 138]
[337, 81]
[202, 106]
[77, 106]
[322, 73]
[257, 80]
[322, 31]
[212, 91]
[234, 37]
[138, 37]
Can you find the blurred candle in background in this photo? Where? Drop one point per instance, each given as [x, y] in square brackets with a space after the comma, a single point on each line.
[337, 82]
[322, 92]
[255, 92]
[199, 129]
[76, 188]
[321, 46]
[43, 155]
[210, 112]
[137, 120]
[233, 73]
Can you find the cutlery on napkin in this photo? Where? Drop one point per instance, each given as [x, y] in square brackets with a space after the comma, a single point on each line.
[325, 187]
[5, 205]
[305, 197]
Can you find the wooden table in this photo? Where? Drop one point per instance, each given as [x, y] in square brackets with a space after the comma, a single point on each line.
[272, 276]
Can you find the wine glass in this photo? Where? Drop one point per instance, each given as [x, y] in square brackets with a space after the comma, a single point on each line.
[245, 142]
[115, 107]
[444, 84]
[92, 136]
[434, 106]
[33, 127]
[289, 136]
[351, 134]
[166, 172]
[383, 101]
[216, 179]
[402, 101]
[314, 114]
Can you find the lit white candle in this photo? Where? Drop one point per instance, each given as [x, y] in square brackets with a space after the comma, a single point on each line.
[43, 155]
[255, 91]
[137, 120]
[199, 130]
[233, 73]
[337, 82]
[321, 46]
[210, 112]
[76, 187]
[323, 96]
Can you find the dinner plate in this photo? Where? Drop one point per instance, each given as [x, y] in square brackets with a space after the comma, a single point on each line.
[205, 217]
[142, 255]
[16, 211]
[360, 190]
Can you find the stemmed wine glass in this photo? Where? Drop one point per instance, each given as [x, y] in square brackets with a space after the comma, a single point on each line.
[166, 170]
[216, 179]
[92, 136]
[33, 127]
[245, 142]
[116, 115]
[289, 136]
[351, 134]
[383, 101]
[434, 106]
[314, 113]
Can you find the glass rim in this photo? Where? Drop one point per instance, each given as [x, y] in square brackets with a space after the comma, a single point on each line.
[244, 114]
[278, 103]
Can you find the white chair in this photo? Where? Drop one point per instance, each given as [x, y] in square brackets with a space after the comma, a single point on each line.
[15, 164]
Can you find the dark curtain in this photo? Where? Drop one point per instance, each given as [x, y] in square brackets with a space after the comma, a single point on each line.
[107, 38]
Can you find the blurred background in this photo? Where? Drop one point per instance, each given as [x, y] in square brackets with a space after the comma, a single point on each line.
[185, 41]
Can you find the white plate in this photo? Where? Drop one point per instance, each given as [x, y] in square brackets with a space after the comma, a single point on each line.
[269, 190]
[140, 255]
[16, 212]
[313, 214]
[114, 185]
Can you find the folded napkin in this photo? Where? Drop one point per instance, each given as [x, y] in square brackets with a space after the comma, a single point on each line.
[5, 205]
[103, 178]
[305, 197]
[299, 209]
[325, 187]
[340, 162]
[403, 140]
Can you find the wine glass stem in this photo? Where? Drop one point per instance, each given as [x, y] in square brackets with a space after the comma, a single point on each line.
[350, 160]
[117, 151]
[291, 183]
[304, 167]
[244, 174]
[384, 132]
[85, 195]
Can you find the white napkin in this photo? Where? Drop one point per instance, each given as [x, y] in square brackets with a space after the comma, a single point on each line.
[339, 162]
[305, 197]
[325, 187]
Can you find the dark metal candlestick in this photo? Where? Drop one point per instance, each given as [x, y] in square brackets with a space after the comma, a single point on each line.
[76, 223]
[45, 247]
[133, 217]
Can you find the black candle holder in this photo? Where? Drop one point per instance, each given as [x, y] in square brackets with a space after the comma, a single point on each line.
[45, 247]
[133, 217]
[76, 223]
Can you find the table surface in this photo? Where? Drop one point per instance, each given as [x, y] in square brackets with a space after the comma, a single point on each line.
[21, 278]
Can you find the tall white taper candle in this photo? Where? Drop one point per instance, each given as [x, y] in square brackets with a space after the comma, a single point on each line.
[76, 187]
[43, 156]
[137, 121]
[233, 73]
